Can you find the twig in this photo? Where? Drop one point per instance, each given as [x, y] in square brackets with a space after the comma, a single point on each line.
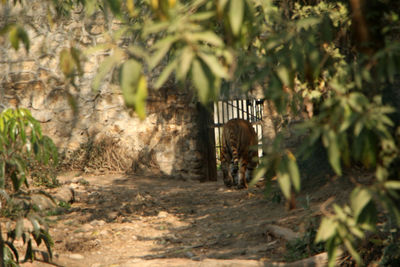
[325, 204]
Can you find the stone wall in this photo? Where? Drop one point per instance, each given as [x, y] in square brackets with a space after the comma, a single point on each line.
[164, 143]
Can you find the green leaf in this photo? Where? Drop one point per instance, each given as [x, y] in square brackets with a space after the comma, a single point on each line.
[284, 75]
[2, 174]
[134, 86]
[90, 6]
[13, 36]
[19, 228]
[236, 14]
[352, 251]
[35, 224]
[15, 252]
[208, 37]
[16, 34]
[105, 68]
[333, 151]
[200, 16]
[67, 62]
[200, 80]
[368, 218]
[115, 6]
[162, 47]
[185, 63]
[29, 254]
[284, 178]
[130, 75]
[141, 96]
[166, 73]
[327, 230]
[359, 199]
[294, 173]
[214, 65]
[392, 184]
[307, 23]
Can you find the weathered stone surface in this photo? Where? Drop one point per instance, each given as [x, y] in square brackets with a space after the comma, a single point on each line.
[43, 202]
[165, 142]
[65, 194]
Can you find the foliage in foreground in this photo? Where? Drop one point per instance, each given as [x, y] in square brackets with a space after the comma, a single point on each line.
[21, 143]
[297, 53]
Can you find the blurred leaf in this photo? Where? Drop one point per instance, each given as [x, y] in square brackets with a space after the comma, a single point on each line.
[115, 6]
[67, 62]
[2, 174]
[284, 75]
[185, 63]
[214, 65]
[333, 151]
[90, 6]
[48, 241]
[392, 185]
[200, 80]
[307, 23]
[359, 199]
[141, 97]
[13, 36]
[294, 172]
[134, 87]
[352, 251]
[105, 68]
[130, 75]
[284, 178]
[14, 251]
[327, 230]
[200, 16]
[19, 228]
[208, 37]
[236, 14]
[17, 34]
[75, 54]
[130, 5]
[166, 73]
[29, 254]
[163, 47]
[368, 218]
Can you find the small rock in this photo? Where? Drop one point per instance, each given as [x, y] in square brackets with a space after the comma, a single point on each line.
[65, 194]
[112, 215]
[104, 232]
[126, 220]
[43, 202]
[97, 223]
[86, 227]
[189, 254]
[76, 256]
[162, 214]
[127, 228]
[134, 238]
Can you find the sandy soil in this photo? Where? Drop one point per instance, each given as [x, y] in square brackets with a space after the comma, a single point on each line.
[120, 220]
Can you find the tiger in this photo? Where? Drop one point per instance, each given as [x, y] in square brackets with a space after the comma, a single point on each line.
[239, 144]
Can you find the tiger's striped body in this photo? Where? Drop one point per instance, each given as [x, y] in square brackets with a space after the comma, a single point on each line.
[239, 144]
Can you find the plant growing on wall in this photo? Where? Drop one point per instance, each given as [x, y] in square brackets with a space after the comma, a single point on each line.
[324, 53]
[21, 141]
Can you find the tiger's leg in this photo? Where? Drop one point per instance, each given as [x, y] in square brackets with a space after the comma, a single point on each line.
[225, 166]
[235, 166]
[242, 183]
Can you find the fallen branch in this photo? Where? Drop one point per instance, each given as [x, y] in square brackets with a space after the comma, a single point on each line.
[319, 260]
[282, 232]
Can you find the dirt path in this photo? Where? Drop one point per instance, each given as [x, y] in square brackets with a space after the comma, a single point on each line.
[119, 220]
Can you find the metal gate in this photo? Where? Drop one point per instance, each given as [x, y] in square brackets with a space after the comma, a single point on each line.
[248, 109]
